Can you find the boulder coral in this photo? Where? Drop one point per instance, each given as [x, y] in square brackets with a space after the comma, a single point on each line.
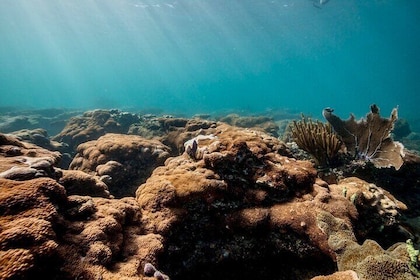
[28, 213]
[121, 161]
[102, 238]
[82, 183]
[22, 161]
[242, 205]
[46, 234]
[260, 123]
[93, 124]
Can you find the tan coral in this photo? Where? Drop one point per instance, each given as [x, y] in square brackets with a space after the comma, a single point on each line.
[81, 183]
[89, 126]
[110, 232]
[240, 186]
[378, 207]
[340, 275]
[23, 161]
[27, 215]
[124, 161]
[15, 263]
[368, 260]
[259, 123]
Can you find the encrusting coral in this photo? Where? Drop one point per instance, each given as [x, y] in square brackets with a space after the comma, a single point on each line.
[317, 139]
[370, 138]
[379, 211]
[368, 260]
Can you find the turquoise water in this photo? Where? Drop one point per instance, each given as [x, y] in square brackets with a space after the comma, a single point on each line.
[204, 56]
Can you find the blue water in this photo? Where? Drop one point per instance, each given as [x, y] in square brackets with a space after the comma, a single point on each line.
[204, 56]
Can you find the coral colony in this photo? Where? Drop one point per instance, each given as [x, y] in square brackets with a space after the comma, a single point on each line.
[370, 138]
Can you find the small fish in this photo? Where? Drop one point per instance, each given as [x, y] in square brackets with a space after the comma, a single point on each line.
[319, 3]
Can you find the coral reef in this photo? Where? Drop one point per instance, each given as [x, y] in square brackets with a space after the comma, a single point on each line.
[38, 137]
[369, 138]
[231, 203]
[102, 238]
[82, 183]
[340, 275]
[122, 161]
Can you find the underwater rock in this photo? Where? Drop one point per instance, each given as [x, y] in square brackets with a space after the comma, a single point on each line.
[126, 160]
[13, 123]
[412, 142]
[401, 129]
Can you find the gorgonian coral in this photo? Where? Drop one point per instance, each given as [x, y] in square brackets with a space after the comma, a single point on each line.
[317, 139]
[369, 138]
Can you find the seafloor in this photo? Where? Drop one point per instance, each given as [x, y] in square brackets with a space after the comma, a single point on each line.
[109, 194]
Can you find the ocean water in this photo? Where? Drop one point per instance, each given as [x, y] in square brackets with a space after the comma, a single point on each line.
[207, 56]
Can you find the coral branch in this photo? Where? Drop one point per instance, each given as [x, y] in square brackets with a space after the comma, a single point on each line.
[317, 139]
